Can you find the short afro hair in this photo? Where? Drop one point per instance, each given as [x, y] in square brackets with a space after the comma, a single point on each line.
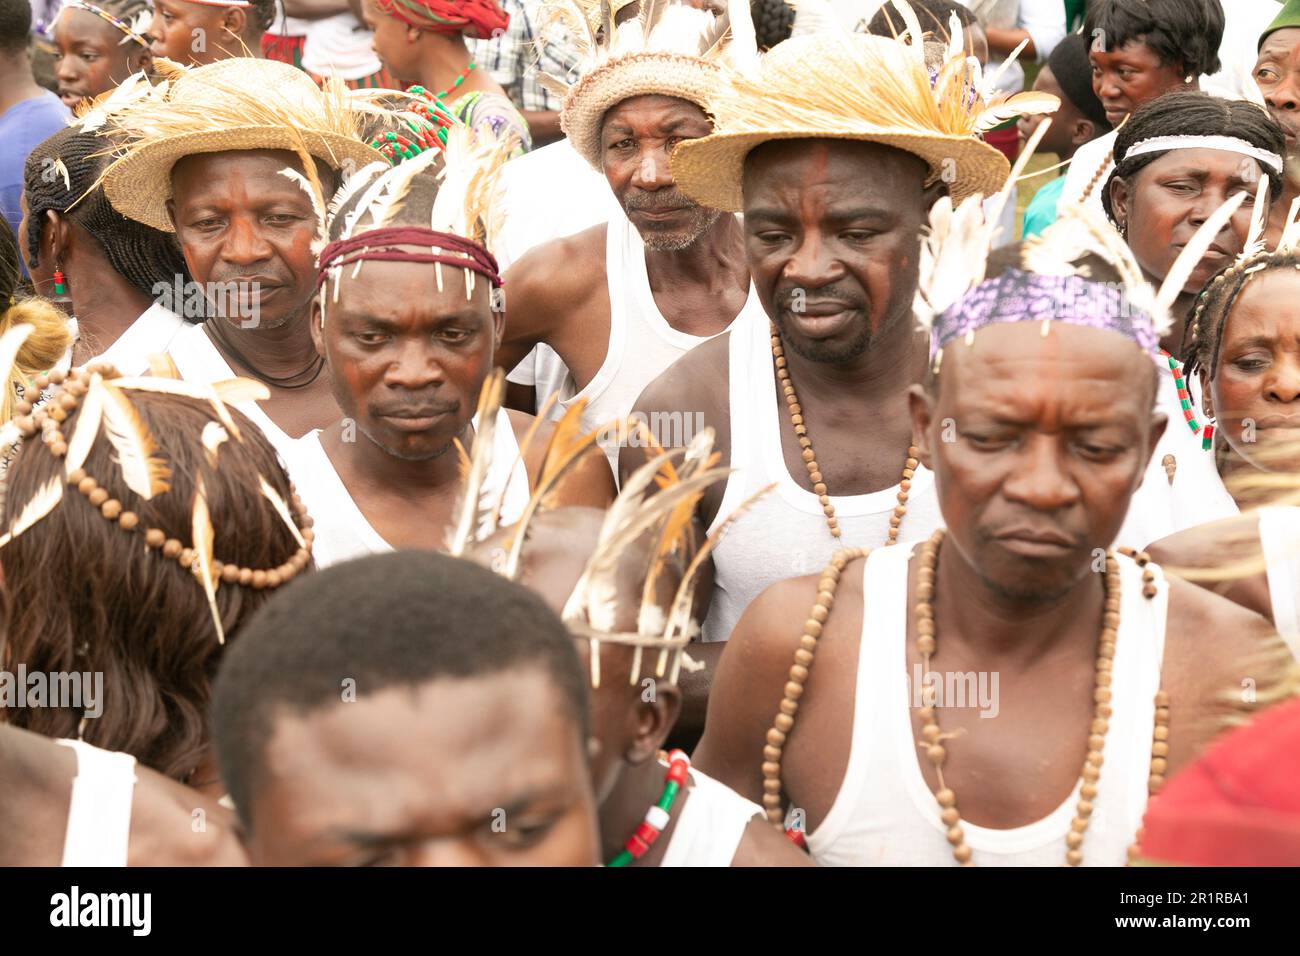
[1185, 33]
[15, 26]
[402, 619]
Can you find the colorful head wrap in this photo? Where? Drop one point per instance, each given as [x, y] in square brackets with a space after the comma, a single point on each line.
[136, 30]
[481, 19]
[387, 244]
[1017, 296]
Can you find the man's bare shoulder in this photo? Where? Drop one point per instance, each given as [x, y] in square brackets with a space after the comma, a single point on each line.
[560, 269]
[700, 378]
[174, 825]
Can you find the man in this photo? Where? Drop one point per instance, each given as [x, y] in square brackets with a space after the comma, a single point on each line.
[409, 710]
[220, 159]
[618, 598]
[1139, 49]
[410, 340]
[28, 112]
[1277, 73]
[832, 227]
[620, 302]
[195, 32]
[1038, 424]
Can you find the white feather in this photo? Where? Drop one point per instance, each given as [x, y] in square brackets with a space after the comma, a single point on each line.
[37, 507]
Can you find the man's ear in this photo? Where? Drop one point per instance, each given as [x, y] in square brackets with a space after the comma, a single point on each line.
[1084, 130]
[1119, 202]
[317, 330]
[656, 714]
[932, 193]
[921, 406]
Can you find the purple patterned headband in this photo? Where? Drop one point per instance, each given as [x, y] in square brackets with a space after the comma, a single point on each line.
[1017, 296]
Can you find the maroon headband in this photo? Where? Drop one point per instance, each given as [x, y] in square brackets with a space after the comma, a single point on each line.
[383, 244]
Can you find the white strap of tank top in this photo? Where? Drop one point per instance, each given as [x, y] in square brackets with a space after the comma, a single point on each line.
[1279, 535]
[99, 813]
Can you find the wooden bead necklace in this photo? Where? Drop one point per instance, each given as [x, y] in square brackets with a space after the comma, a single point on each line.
[932, 736]
[48, 418]
[810, 457]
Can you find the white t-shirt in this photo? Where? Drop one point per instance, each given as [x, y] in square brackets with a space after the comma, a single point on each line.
[340, 44]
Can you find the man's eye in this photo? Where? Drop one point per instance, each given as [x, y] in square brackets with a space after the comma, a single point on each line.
[858, 235]
[1264, 73]
[986, 442]
[371, 338]
[454, 335]
[772, 238]
[525, 835]
[1251, 364]
[282, 218]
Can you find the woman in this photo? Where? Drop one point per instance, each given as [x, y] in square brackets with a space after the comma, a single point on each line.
[1245, 351]
[118, 277]
[145, 526]
[194, 32]
[99, 45]
[423, 42]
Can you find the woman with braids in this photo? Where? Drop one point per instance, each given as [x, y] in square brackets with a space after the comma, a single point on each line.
[1245, 351]
[145, 522]
[423, 42]
[1179, 159]
[195, 32]
[100, 44]
[118, 277]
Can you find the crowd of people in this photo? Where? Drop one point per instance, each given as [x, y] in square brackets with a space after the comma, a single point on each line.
[649, 432]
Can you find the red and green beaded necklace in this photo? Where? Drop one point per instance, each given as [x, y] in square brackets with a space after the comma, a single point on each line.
[1185, 399]
[656, 818]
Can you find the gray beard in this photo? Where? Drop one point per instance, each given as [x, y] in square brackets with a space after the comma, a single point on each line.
[701, 219]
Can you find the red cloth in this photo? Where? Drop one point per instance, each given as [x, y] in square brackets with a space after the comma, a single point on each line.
[481, 19]
[1238, 804]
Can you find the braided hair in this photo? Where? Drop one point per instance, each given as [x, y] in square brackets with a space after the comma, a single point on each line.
[773, 21]
[140, 254]
[261, 14]
[1214, 305]
[1191, 112]
[50, 336]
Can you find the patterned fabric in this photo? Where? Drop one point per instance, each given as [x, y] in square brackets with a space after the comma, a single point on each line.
[382, 80]
[493, 112]
[513, 61]
[1017, 296]
[481, 19]
[286, 49]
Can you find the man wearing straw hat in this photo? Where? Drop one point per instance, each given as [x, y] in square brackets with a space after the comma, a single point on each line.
[239, 158]
[620, 302]
[834, 151]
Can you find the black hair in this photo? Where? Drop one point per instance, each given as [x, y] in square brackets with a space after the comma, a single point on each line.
[261, 14]
[1191, 112]
[15, 25]
[933, 15]
[1214, 305]
[773, 21]
[142, 255]
[1186, 33]
[1069, 64]
[401, 619]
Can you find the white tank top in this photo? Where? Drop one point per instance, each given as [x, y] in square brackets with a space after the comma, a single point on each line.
[641, 342]
[342, 531]
[1279, 535]
[885, 813]
[784, 534]
[711, 825]
[198, 360]
[99, 812]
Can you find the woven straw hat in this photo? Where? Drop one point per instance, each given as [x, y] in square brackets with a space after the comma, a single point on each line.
[847, 86]
[235, 104]
[667, 48]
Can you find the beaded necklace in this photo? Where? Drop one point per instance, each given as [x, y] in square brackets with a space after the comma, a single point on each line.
[810, 457]
[656, 818]
[1185, 400]
[421, 91]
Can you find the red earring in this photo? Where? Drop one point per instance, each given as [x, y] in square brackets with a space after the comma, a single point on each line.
[60, 288]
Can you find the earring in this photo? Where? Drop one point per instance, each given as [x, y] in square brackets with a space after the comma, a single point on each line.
[60, 286]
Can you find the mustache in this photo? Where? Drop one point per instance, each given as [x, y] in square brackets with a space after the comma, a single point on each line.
[244, 279]
[670, 198]
[414, 408]
[787, 297]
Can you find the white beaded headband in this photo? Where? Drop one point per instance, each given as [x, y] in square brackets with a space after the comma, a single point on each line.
[1232, 144]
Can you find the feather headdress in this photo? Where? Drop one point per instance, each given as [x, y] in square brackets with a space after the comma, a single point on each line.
[857, 87]
[665, 47]
[230, 105]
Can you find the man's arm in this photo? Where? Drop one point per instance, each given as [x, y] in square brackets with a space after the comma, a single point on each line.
[548, 286]
[1211, 547]
[543, 126]
[590, 482]
[1221, 664]
[317, 9]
